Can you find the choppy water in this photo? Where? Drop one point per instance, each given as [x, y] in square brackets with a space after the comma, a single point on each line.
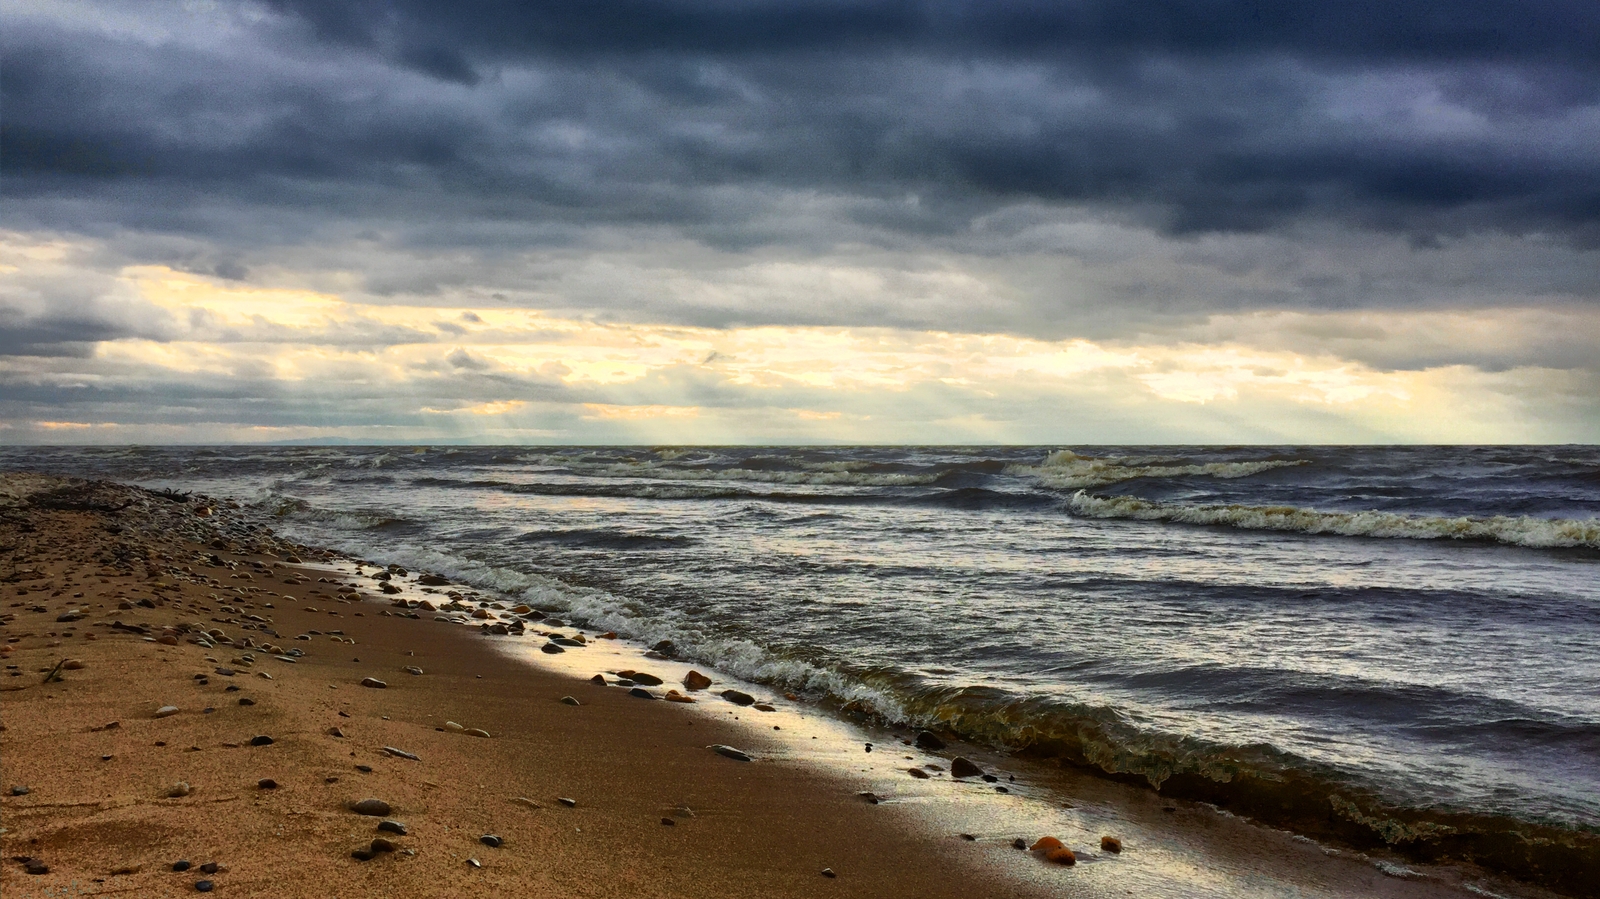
[1387, 628]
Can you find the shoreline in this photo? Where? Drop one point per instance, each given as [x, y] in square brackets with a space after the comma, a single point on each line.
[767, 828]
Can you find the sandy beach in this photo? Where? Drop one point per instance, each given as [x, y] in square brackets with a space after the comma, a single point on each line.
[211, 710]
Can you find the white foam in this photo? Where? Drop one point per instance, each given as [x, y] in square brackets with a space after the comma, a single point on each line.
[1066, 470]
[1521, 530]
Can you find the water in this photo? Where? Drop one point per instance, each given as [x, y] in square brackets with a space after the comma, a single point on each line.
[1409, 637]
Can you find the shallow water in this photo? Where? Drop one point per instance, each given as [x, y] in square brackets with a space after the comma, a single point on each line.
[1401, 628]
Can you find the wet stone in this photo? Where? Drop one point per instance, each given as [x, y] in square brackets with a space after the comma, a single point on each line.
[917, 773]
[380, 844]
[641, 693]
[20, 790]
[181, 865]
[262, 740]
[694, 680]
[209, 868]
[204, 886]
[490, 840]
[961, 767]
[1110, 844]
[551, 648]
[738, 697]
[929, 741]
[392, 826]
[373, 683]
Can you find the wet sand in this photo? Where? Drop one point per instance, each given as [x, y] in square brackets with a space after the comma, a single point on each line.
[151, 574]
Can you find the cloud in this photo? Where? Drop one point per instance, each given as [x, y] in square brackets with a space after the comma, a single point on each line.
[242, 214]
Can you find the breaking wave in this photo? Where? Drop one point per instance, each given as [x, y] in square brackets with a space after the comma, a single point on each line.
[1518, 530]
[1066, 470]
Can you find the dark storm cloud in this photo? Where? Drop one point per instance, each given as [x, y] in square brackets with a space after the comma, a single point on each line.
[1231, 116]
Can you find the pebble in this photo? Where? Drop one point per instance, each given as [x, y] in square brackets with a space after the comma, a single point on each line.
[262, 740]
[641, 693]
[969, 837]
[373, 683]
[1110, 844]
[391, 826]
[929, 741]
[179, 789]
[598, 679]
[668, 822]
[363, 854]
[474, 863]
[401, 753]
[210, 868]
[1045, 844]
[551, 648]
[918, 773]
[869, 797]
[1019, 843]
[490, 840]
[961, 767]
[738, 697]
[20, 790]
[1061, 856]
[335, 732]
[181, 865]
[737, 755]
[225, 672]
[73, 664]
[649, 680]
[166, 710]
[377, 808]
[34, 866]
[694, 680]
[204, 886]
[476, 732]
[569, 803]
[828, 872]
[267, 783]
[412, 669]
[568, 700]
[764, 707]
[382, 845]
[364, 769]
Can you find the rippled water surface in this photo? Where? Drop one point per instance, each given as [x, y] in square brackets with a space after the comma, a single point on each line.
[1418, 626]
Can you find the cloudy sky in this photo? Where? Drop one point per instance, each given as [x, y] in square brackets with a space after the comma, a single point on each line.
[712, 221]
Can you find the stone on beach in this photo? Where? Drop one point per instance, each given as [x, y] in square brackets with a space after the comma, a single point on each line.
[1110, 844]
[376, 808]
[648, 680]
[568, 700]
[1045, 844]
[929, 741]
[391, 826]
[725, 751]
[262, 740]
[413, 670]
[918, 773]
[476, 732]
[961, 767]
[166, 711]
[694, 680]
[179, 790]
[738, 697]
[401, 753]
[1061, 856]
[266, 783]
[491, 840]
[373, 683]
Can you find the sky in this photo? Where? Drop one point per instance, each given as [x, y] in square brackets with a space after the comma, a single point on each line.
[738, 221]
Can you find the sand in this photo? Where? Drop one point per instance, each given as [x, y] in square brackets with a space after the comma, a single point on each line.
[99, 764]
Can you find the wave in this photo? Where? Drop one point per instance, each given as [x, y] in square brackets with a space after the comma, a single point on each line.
[1066, 470]
[1520, 530]
[607, 539]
